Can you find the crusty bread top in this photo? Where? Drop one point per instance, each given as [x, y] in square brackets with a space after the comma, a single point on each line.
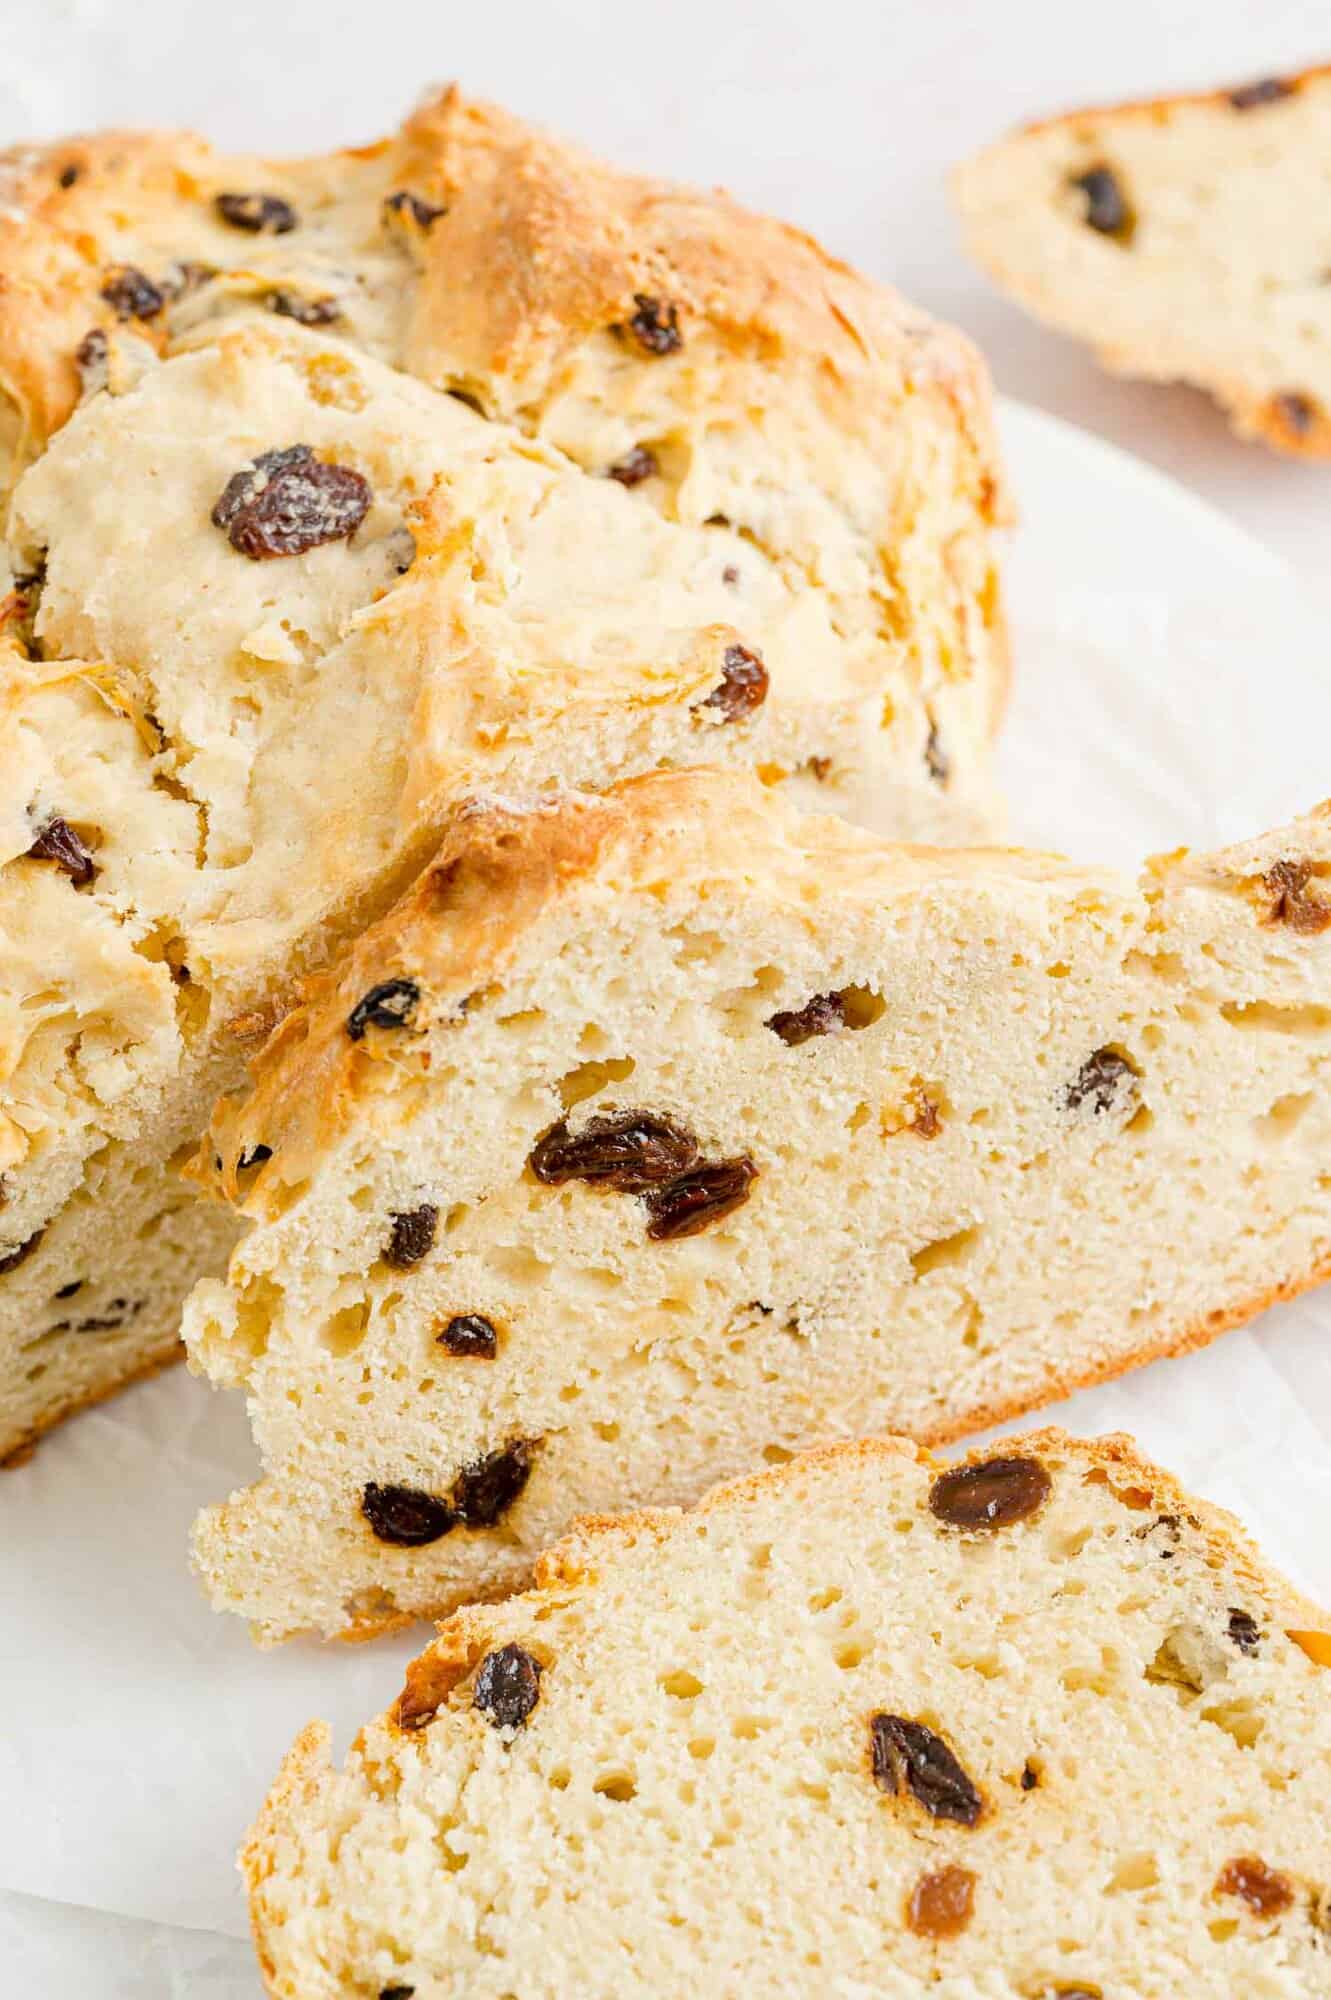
[704, 1670]
[550, 245]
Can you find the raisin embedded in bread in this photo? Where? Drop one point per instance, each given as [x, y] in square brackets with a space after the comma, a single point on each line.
[737, 1129]
[860, 1725]
[1185, 239]
[344, 487]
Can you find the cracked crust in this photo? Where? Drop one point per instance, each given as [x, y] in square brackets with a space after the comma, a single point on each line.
[1221, 282]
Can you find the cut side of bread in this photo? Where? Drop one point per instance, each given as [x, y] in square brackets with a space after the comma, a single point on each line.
[1184, 238]
[1040, 1726]
[321, 521]
[658, 1134]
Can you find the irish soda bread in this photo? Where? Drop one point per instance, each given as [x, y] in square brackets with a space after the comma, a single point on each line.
[659, 1133]
[865, 1725]
[343, 487]
[1186, 239]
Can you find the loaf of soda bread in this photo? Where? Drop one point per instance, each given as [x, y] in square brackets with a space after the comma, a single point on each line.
[1039, 1725]
[656, 1134]
[341, 488]
[1186, 238]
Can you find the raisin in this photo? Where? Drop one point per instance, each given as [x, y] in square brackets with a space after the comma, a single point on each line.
[423, 213]
[908, 1754]
[406, 1516]
[58, 842]
[1263, 1889]
[993, 1494]
[68, 175]
[1243, 1631]
[391, 1004]
[1294, 412]
[698, 1198]
[655, 325]
[1286, 883]
[634, 467]
[942, 1903]
[189, 276]
[91, 357]
[743, 685]
[937, 762]
[396, 1992]
[11, 1259]
[825, 1014]
[289, 501]
[260, 214]
[484, 1491]
[1267, 90]
[131, 294]
[254, 1158]
[306, 312]
[68, 1291]
[412, 1235]
[471, 1334]
[508, 1687]
[1030, 1777]
[628, 1150]
[730, 574]
[1105, 1080]
[1108, 210]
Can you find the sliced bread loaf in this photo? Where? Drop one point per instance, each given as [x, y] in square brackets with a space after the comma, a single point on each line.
[1039, 1726]
[1186, 238]
[657, 1134]
[456, 462]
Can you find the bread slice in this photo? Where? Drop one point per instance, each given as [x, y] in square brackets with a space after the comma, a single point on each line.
[1044, 1725]
[1185, 238]
[349, 486]
[656, 1135]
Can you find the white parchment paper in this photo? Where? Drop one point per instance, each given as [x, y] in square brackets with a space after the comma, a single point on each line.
[1170, 688]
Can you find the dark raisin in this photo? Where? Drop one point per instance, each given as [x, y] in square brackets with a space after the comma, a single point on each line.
[403, 202]
[908, 1755]
[1267, 90]
[58, 842]
[1108, 210]
[396, 1992]
[1243, 1631]
[388, 1005]
[1167, 1527]
[254, 1158]
[1105, 1080]
[825, 1014]
[68, 1291]
[131, 294]
[942, 1903]
[11, 1259]
[993, 1494]
[1262, 1888]
[655, 325]
[1286, 883]
[188, 276]
[68, 176]
[634, 466]
[484, 1491]
[743, 685]
[1294, 412]
[698, 1198]
[412, 1235]
[405, 1515]
[937, 763]
[260, 214]
[1030, 1777]
[730, 574]
[306, 312]
[628, 1150]
[471, 1334]
[289, 501]
[508, 1687]
[91, 356]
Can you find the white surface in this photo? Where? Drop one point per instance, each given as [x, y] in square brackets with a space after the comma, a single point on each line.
[150, 1728]
[842, 116]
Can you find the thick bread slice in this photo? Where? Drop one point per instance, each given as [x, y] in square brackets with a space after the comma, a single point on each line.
[1186, 238]
[564, 538]
[815, 1737]
[658, 1133]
